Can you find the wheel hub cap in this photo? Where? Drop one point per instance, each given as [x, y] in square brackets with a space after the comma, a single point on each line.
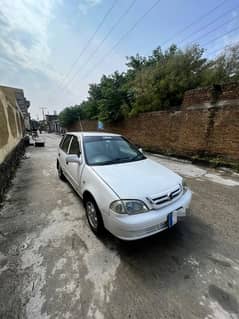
[92, 215]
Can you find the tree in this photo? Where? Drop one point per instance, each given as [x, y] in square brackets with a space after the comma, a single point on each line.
[69, 115]
[153, 83]
[225, 68]
[109, 97]
[164, 78]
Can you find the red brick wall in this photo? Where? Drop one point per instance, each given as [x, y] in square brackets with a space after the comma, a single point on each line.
[224, 137]
[197, 129]
[207, 95]
[197, 97]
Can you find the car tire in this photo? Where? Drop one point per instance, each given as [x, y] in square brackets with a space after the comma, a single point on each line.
[60, 172]
[94, 216]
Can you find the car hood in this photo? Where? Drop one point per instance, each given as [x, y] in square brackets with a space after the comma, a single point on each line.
[138, 179]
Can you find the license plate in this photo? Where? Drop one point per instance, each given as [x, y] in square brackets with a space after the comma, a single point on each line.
[172, 219]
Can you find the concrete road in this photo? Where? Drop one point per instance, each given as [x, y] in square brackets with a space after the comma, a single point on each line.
[52, 265]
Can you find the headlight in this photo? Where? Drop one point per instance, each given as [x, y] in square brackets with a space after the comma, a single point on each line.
[185, 186]
[129, 206]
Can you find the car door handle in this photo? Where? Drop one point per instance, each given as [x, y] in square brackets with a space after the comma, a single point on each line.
[59, 154]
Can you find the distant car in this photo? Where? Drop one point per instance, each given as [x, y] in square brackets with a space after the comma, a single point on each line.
[39, 142]
[122, 190]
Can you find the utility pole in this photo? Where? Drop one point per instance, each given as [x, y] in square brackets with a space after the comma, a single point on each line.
[43, 114]
[81, 127]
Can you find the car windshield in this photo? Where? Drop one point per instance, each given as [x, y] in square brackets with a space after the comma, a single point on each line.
[106, 150]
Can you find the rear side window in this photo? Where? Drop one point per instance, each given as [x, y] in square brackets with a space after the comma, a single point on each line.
[65, 143]
[75, 147]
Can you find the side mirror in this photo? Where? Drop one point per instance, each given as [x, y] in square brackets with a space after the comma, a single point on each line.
[72, 158]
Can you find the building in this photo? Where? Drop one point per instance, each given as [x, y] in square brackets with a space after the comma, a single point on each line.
[53, 124]
[12, 132]
[22, 103]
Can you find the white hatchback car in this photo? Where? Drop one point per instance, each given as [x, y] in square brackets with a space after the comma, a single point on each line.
[122, 190]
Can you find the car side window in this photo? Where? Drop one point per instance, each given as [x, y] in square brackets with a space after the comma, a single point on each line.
[62, 140]
[65, 143]
[75, 147]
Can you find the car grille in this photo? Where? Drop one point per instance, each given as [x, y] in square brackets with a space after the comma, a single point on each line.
[151, 229]
[166, 197]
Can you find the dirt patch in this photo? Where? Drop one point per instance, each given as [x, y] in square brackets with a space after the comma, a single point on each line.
[226, 300]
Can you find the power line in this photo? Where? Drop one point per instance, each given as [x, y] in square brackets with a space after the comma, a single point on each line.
[183, 30]
[213, 30]
[220, 50]
[208, 24]
[90, 39]
[104, 39]
[224, 48]
[222, 35]
[212, 40]
[194, 22]
[125, 35]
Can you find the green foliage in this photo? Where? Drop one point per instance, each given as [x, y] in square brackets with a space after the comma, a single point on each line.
[162, 81]
[223, 69]
[69, 115]
[113, 97]
[153, 83]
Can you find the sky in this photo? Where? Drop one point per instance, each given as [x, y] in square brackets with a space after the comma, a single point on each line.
[53, 49]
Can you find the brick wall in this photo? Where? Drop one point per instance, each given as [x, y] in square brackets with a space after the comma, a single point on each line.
[206, 125]
[207, 96]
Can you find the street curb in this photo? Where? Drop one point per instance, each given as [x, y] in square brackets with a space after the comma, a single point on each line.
[171, 158]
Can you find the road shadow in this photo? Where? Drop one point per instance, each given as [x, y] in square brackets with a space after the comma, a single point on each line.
[190, 230]
[167, 258]
[157, 274]
[171, 251]
[163, 252]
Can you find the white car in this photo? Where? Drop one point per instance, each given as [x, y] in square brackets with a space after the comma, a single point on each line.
[122, 190]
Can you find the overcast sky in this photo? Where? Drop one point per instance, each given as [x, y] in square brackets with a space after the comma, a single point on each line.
[41, 40]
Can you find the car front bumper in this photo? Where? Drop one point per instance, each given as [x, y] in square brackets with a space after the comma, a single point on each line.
[132, 227]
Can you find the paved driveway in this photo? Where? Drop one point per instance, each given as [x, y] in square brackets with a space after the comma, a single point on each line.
[52, 266]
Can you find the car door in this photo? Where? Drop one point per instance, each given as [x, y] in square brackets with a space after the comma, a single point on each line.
[62, 152]
[75, 169]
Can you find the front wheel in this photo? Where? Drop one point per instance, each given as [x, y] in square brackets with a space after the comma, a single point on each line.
[60, 172]
[94, 216]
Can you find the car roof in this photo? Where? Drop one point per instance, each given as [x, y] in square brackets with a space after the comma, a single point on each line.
[83, 133]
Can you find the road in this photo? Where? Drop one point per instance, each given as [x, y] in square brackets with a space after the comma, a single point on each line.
[52, 265]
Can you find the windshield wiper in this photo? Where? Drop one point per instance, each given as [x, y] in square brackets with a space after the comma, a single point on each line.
[137, 157]
[128, 159]
[119, 159]
[114, 161]
[122, 160]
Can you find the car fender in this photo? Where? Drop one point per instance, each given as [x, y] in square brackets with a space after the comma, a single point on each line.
[103, 194]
